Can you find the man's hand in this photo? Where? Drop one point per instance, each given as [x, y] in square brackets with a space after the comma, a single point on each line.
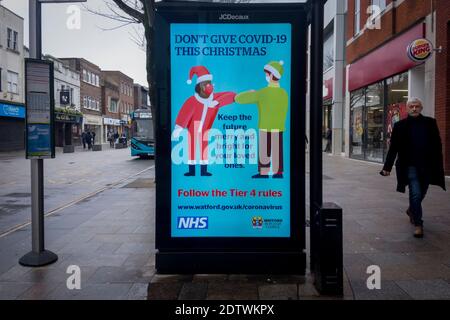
[385, 173]
[177, 132]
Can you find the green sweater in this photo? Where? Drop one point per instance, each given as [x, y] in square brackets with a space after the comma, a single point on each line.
[272, 105]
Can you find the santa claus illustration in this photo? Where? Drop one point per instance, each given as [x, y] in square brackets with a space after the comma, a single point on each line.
[198, 114]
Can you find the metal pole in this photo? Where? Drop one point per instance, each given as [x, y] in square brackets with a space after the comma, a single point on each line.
[38, 256]
[316, 96]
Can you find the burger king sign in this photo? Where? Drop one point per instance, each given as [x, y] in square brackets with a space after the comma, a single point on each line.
[420, 50]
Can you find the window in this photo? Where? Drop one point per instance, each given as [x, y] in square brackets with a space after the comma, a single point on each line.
[12, 39]
[328, 52]
[15, 40]
[84, 75]
[113, 105]
[357, 17]
[380, 4]
[13, 79]
[397, 96]
[97, 81]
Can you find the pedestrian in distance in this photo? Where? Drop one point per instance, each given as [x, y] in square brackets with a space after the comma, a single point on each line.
[83, 139]
[111, 139]
[329, 137]
[416, 144]
[93, 137]
[89, 140]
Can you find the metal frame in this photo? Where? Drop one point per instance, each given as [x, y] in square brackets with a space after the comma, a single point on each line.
[173, 250]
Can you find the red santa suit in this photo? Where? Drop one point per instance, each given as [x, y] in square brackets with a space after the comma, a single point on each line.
[197, 115]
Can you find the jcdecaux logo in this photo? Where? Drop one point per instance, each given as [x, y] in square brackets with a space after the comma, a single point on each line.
[192, 223]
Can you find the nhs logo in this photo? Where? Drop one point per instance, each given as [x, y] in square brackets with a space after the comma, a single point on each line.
[192, 223]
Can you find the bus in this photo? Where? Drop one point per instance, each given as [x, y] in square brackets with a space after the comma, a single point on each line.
[142, 139]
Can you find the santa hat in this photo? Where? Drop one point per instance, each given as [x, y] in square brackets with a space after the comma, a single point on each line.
[275, 68]
[202, 74]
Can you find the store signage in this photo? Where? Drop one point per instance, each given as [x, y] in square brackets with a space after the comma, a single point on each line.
[111, 122]
[96, 121]
[64, 117]
[10, 110]
[420, 50]
[40, 109]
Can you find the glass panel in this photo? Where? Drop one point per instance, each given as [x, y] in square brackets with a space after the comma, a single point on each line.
[396, 102]
[375, 117]
[356, 125]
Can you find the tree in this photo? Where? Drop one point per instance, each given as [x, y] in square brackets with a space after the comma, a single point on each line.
[142, 13]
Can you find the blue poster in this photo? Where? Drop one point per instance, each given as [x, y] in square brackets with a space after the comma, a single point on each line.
[10, 110]
[39, 141]
[230, 106]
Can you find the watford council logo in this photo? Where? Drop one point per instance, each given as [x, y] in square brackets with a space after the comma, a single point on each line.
[257, 222]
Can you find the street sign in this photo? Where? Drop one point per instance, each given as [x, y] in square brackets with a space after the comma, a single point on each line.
[40, 109]
[230, 195]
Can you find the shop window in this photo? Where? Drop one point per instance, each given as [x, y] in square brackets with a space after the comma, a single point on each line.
[357, 126]
[397, 97]
[375, 122]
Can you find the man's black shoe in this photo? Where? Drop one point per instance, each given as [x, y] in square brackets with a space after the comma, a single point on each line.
[278, 176]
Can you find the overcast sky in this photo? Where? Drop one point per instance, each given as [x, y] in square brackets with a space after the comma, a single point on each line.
[111, 50]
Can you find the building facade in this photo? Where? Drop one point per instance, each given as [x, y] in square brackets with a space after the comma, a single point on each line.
[90, 95]
[126, 100]
[110, 106]
[12, 91]
[141, 97]
[68, 116]
[381, 76]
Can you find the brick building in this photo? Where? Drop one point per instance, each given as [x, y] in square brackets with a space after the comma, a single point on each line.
[381, 76]
[126, 100]
[90, 95]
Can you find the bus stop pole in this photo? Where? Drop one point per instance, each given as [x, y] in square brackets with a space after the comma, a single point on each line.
[316, 101]
[38, 256]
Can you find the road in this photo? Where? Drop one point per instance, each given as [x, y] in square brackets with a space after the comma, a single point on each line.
[68, 178]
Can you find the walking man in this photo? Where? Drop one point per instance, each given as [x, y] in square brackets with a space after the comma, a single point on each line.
[83, 139]
[416, 144]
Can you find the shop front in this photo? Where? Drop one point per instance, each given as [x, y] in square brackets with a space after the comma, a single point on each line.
[110, 125]
[378, 95]
[67, 129]
[12, 126]
[94, 124]
[373, 112]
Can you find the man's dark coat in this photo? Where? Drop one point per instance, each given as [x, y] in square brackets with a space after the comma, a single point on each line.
[400, 146]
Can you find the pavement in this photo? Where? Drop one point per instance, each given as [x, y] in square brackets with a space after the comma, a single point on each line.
[108, 231]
